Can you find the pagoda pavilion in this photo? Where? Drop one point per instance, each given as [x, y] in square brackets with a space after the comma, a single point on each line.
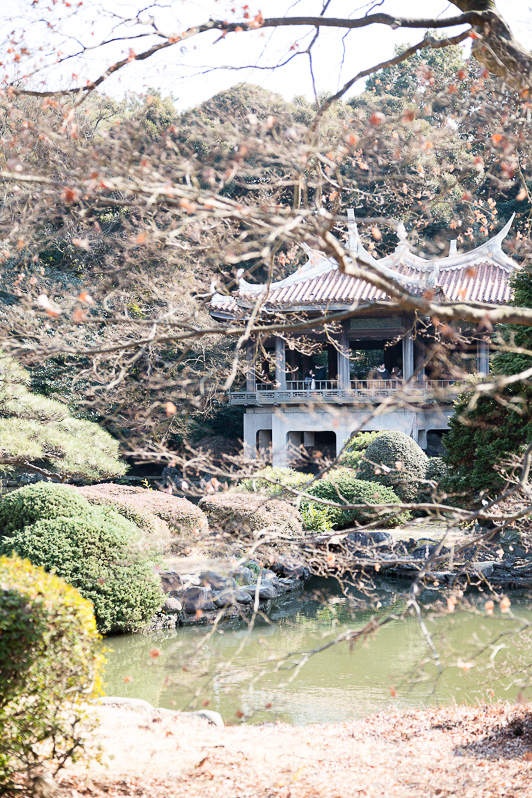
[378, 368]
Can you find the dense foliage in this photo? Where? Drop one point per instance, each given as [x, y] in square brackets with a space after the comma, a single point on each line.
[485, 434]
[276, 481]
[49, 663]
[353, 451]
[39, 434]
[394, 459]
[42, 500]
[95, 549]
[342, 487]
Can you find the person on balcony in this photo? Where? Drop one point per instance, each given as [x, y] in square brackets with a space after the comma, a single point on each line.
[379, 373]
[310, 381]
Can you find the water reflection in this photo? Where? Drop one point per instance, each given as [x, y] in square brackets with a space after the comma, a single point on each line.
[262, 674]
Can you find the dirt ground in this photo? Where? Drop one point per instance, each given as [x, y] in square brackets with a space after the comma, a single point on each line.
[460, 751]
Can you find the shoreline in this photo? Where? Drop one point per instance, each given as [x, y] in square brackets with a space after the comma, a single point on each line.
[480, 752]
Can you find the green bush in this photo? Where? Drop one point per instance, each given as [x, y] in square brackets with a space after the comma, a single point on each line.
[436, 469]
[276, 481]
[395, 460]
[342, 487]
[49, 664]
[353, 451]
[95, 549]
[316, 518]
[435, 476]
[42, 500]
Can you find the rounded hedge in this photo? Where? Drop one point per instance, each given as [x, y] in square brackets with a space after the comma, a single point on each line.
[94, 552]
[353, 451]
[178, 522]
[95, 549]
[435, 476]
[42, 500]
[342, 487]
[395, 460]
[49, 663]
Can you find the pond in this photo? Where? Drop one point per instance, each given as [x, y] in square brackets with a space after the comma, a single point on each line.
[262, 673]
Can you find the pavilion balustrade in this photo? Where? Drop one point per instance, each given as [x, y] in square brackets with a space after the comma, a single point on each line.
[298, 391]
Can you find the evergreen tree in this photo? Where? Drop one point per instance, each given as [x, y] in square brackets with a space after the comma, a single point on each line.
[40, 435]
[484, 434]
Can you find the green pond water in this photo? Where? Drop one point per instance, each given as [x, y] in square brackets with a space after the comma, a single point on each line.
[263, 673]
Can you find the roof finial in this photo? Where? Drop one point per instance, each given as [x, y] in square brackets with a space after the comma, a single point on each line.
[353, 239]
[452, 247]
[401, 233]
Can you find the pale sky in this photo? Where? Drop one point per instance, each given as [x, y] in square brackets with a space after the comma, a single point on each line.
[194, 70]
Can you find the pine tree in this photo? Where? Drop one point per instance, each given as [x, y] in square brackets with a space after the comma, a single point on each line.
[39, 435]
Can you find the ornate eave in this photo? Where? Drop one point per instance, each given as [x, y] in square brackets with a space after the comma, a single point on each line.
[480, 275]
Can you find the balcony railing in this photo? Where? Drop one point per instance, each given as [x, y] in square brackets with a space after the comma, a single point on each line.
[358, 392]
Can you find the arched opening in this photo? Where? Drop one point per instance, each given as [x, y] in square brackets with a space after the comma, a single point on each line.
[307, 450]
[435, 446]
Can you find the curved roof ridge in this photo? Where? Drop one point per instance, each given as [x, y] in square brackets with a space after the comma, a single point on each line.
[402, 254]
[307, 271]
[490, 249]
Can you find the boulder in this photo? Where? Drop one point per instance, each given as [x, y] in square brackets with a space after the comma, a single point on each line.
[266, 591]
[371, 539]
[170, 580]
[172, 606]
[197, 598]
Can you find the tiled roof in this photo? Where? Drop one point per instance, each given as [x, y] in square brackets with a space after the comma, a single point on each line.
[481, 275]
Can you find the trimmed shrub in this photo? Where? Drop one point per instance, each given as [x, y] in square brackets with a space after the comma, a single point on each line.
[94, 553]
[395, 460]
[436, 469]
[95, 549]
[49, 664]
[171, 522]
[353, 451]
[274, 481]
[246, 515]
[342, 487]
[42, 500]
[316, 518]
[157, 536]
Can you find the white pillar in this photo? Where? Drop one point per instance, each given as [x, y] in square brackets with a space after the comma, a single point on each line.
[343, 433]
[483, 357]
[250, 432]
[251, 377]
[344, 377]
[408, 356]
[279, 445]
[280, 364]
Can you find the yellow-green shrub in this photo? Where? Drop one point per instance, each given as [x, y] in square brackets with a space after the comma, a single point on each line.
[49, 665]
